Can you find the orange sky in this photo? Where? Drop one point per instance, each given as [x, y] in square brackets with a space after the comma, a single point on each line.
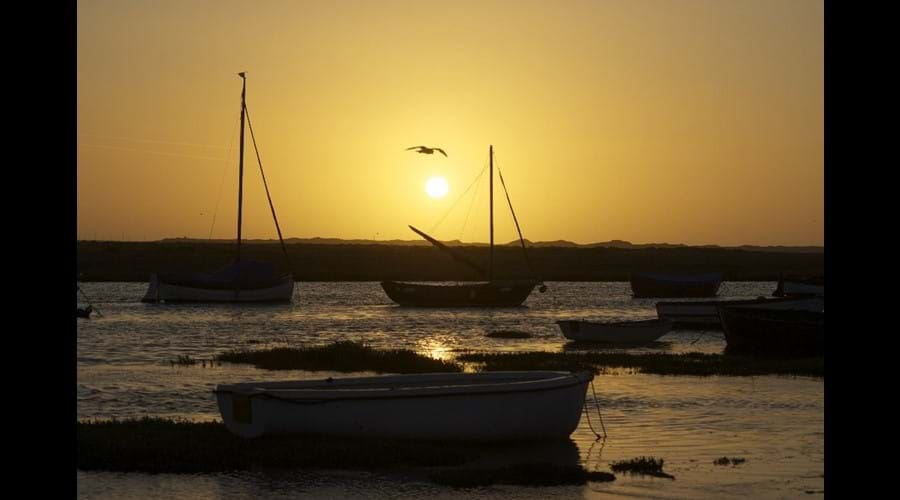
[681, 121]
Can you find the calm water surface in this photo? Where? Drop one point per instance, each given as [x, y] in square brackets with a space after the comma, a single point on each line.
[775, 423]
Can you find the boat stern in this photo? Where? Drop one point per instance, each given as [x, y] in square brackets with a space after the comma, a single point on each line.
[237, 413]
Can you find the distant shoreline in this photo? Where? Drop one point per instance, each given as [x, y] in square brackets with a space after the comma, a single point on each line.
[135, 261]
[515, 243]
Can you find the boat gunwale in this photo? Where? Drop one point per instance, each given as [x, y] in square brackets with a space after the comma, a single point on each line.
[166, 280]
[626, 324]
[377, 391]
[459, 284]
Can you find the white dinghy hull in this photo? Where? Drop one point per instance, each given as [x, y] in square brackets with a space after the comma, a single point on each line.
[626, 332]
[489, 406]
[160, 291]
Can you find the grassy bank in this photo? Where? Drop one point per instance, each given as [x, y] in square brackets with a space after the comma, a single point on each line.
[658, 364]
[354, 357]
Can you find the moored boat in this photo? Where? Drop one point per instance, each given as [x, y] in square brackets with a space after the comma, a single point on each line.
[487, 406]
[482, 294]
[705, 314]
[654, 285]
[242, 280]
[620, 332]
[761, 330]
[489, 293]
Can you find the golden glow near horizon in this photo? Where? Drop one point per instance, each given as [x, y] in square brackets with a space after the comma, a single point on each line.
[695, 121]
[437, 187]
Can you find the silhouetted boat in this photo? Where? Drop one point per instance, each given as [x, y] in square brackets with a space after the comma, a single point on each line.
[240, 281]
[800, 287]
[773, 330]
[705, 314]
[84, 312]
[620, 332]
[491, 293]
[487, 406]
[646, 285]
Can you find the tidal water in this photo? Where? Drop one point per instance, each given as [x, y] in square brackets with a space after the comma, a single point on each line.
[775, 423]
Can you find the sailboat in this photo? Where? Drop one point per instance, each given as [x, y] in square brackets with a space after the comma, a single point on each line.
[489, 293]
[240, 281]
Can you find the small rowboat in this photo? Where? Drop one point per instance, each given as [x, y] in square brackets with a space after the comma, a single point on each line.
[705, 314]
[619, 332]
[758, 330]
[489, 406]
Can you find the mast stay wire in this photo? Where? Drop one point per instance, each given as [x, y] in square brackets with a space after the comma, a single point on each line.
[222, 183]
[471, 203]
[287, 259]
[516, 220]
[438, 223]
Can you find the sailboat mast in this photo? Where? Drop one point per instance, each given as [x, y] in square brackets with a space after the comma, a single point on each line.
[491, 265]
[241, 166]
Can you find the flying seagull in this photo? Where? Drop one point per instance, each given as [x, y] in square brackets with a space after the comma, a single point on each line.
[426, 150]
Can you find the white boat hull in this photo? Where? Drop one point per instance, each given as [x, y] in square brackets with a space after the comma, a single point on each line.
[158, 291]
[490, 406]
[622, 332]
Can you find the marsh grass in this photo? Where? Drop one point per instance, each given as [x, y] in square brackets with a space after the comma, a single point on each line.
[184, 360]
[342, 357]
[355, 357]
[660, 364]
[647, 466]
[734, 461]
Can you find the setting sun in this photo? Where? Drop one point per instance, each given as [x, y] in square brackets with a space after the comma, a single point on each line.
[437, 187]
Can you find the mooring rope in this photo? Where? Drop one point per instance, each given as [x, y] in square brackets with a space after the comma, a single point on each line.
[587, 414]
[88, 300]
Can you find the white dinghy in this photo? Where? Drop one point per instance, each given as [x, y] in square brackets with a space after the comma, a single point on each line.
[488, 406]
[621, 332]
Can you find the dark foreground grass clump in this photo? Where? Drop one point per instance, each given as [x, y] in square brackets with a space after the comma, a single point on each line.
[341, 357]
[153, 445]
[655, 363]
[508, 334]
[647, 466]
[161, 445]
[520, 474]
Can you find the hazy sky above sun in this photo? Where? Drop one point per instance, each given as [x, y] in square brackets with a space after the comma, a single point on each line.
[680, 121]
